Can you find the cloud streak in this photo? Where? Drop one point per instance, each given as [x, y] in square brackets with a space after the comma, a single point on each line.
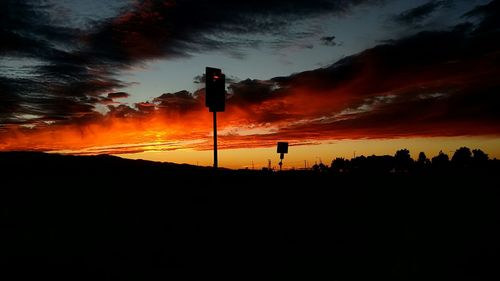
[415, 16]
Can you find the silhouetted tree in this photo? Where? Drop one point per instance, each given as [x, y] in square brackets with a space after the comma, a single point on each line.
[479, 155]
[462, 157]
[441, 160]
[479, 158]
[422, 161]
[422, 158]
[358, 163]
[322, 167]
[315, 167]
[380, 164]
[339, 165]
[403, 160]
[319, 167]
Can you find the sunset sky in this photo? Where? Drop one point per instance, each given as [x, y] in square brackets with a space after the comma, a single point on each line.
[334, 78]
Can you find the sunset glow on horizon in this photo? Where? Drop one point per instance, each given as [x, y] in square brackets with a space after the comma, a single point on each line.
[304, 156]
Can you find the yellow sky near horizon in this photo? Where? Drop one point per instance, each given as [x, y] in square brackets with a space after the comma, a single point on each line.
[325, 152]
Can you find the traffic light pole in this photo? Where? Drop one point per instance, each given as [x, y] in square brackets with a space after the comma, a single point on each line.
[215, 99]
[216, 164]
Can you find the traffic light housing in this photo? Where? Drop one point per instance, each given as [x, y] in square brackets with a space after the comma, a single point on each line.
[282, 147]
[215, 89]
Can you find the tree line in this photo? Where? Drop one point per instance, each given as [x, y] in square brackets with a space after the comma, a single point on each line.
[462, 159]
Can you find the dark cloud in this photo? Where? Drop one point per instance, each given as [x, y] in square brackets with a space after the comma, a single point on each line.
[488, 14]
[488, 9]
[118, 95]
[27, 30]
[122, 111]
[416, 15]
[145, 107]
[110, 98]
[9, 97]
[177, 28]
[251, 91]
[328, 40]
[179, 102]
[64, 80]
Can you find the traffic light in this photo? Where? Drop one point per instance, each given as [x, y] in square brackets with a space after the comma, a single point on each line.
[215, 89]
[282, 149]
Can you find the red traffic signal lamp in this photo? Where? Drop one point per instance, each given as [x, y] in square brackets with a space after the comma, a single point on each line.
[215, 89]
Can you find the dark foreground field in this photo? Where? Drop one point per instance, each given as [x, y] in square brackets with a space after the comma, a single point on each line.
[104, 217]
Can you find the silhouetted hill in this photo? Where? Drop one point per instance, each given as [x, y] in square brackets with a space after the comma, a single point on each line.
[20, 161]
[74, 217]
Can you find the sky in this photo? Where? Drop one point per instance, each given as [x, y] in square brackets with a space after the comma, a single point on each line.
[334, 78]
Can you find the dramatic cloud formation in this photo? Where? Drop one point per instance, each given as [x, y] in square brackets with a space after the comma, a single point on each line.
[78, 67]
[177, 28]
[434, 83]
